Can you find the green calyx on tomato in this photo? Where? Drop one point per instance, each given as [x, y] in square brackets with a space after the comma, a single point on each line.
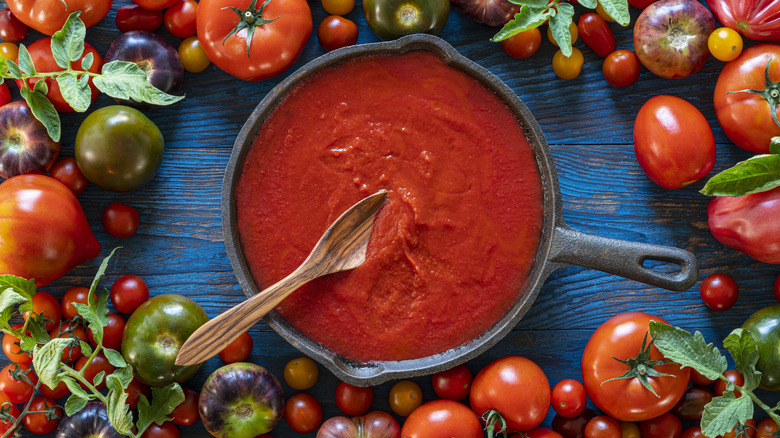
[250, 19]
[642, 367]
[771, 92]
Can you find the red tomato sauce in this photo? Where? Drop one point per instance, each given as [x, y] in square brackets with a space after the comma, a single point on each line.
[452, 248]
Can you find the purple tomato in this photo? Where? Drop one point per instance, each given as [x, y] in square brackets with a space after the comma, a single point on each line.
[25, 145]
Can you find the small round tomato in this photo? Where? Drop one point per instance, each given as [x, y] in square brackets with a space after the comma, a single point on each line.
[596, 34]
[13, 350]
[120, 220]
[155, 5]
[13, 411]
[180, 19]
[538, 432]
[67, 172]
[569, 398]
[442, 419]
[573, 427]
[78, 294]
[573, 33]
[134, 17]
[303, 413]
[18, 390]
[193, 58]
[453, 384]
[692, 432]
[11, 29]
[70, 330]
[335, 32]
[59, 391]
[603, 426]
[165, 430]
[187, 413]
[743, 430]
[766, 428]
[698, 379]
[301, 373]
[621, 68]
[238, 350]
[135, 390]
[630, 429]
[46, 305]
[568, 67]
[354, 400]
[112, 332]
[9, 51]
[338, 7]
[99, 364]
[732, 376]
[663, 426]
[128, 292]
[725, 44]
[673, 142]
[395, 18]
[691, 405]
[719, 291]
[524, 44]
[405, 397]
[36, 421]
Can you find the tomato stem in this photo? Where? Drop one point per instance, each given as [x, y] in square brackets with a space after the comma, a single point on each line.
[770, 93]
[641, 367]
[249, 20]
[492, 419]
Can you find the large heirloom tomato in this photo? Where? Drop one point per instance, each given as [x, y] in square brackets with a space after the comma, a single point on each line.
[748, 223]
[442, 419]
[746, 117]
[619, 343]
[758, 20]
[48, 16]
[251, 41]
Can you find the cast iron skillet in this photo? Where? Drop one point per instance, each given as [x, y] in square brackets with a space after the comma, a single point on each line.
[560, 245]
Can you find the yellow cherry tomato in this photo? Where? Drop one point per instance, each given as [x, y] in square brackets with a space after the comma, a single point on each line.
[338, 7]
[725, 44]
[301, 373]
[568, 67]
[572, 31]
[405, 397]
[193, 58]
[9, 51]
[629, 429]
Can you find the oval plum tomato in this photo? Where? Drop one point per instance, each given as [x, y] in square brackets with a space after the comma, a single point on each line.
[193, 58]
[112, 332]
[11, 29]
[9, 51]
[622, 337]
[354, 400]
[732, 376]
[673, 142]
[621, 68]
[691, 405]
[61, 390]
[596, 34]
[134, 17]
[766, 428]
[155, 5]
[5, 94]
[603, 426]
[120, 220]
[335, 32]
[303, 413]
[135, 390]
[128, 292]
[187, 413]
[18, 390]
[78, 294]
[755, 20]
[569, 398]
[40, 51]
[99, 364]
[442, 419]
[453, 384]
[405, 397]
[12, 348]
[524, 44]
[48, 16]
[568, 67]
[67, 172]
[746, 118]
[663, 426]
[37, 421]
[238, 350]
[573, 427]
[25, 144]
[180, 18]
[165, 430]
[301, 373]
[515, 387]
[277, 34]
[46, 305]
[70, 330]
[725, 44]
[338, 7]
[719, 291]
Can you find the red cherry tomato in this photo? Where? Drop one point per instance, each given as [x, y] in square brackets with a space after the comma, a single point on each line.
[621, 68]
[11, 29]
[14, 411]
[120, 220]
[46, 305]
[335, 32]
[603, 426]
[128, 292]
[569, 398]
[453, 384]
[238, 350]
[100, 363]
[37, 422]
[766, 428]
[78, 294]
[134, 17]
[719, 291]
[70, 330]
[12, 349]
[538, 432]
[18, 390]
[67, 172]
[303, 413]
[691, 405]
[5, 94]
[749, 431]
[442, 419]
[187, 414]
[135, 390]
[596, 34]
[354, 400]
[524, 44]
[166, 430]
[180, 19]
[732, 376]
[155, 5]
[692, 432]
[573, 427]
[664, 426]
[698, 379]
[112, 333]
[61, 390]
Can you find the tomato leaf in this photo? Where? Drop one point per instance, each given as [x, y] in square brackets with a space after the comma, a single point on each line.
[13, 69]
[76, 389]
[98, 379]
[618, 10]
[118, 412]
[527, 18]
[96, 311]
[115, 358]
[559, 27]
[164, 401]
[756, 174]
[125, 80]
[590, 4]
[9, 298]
[44, 111]
[75, 92]
[25, 61]
[724, 412]
[46, 360]
[67, 44]
[75, 404]
[688, 350]
[87, 62]
[774, 145]
[744, 351]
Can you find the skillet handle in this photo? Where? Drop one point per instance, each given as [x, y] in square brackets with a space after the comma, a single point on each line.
[624, 258]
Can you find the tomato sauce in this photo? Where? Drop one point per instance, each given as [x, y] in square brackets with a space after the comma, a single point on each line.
[452, 248]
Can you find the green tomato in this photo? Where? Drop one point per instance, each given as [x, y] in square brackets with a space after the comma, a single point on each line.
[391, 19]
[764, 326]
[118, 148]
[154, 334]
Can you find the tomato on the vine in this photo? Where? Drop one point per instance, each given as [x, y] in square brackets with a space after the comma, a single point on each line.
[238, 350]
[99, 364]
[621, 68]
[187, 414]
[13, 350]
[453, 384]
[766, 428]
[442, 419]
[568, 67]
[36, 421]
[18, 390]
[193, 58]
[134, 17]
[48, 16]
[569, 398]
[524, 44]
[112, 332]
[11, 29]
[135, 390]
[301, 373]
[725, 44]
[335, 32]
[128, 292]
[14, 411]
[602, 426]
[303, 413]
[180, 18]
[691, 405]
[61, 390]
[719, 291]
[165, 430]
[665, 425]
[698, 379]
[405, 397]
[46, 305]
[354, 400]
[78, 294]
[732, 376]
[74, 331]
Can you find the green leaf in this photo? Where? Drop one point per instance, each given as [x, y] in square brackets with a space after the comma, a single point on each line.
[87, 62]
[114, 358]
[74, 404]
[618, 10]
[774, 145]
[99, 274]
[756, 174]
[26, 62]
[9, 298]
[14, 70]
[124, 375]
[86, 349]
[164, 401]
[76, 389]
[96, 315]
[21, 285]
[118, 411]
[3, 66]
[76, 93]
[41, 87]
[37, 328]
[98, 379]
[46, 361]
[559, 27]
[590, 4]
[44, 111]
[722, 414]
[527, 18]
[743, 349]
[688, 350]
[125, 80]
[67, 44]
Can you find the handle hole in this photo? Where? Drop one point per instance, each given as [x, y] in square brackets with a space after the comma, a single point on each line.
[660, 265]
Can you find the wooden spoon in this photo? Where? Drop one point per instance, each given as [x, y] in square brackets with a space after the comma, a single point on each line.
[341, 248]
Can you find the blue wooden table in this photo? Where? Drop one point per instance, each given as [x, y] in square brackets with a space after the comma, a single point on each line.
[179, 246]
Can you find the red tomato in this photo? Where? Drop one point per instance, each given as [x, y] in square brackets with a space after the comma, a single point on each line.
[746, 118]
[755, 20]
[303, 413]
[37, 422]
[61, 390]
[514, 386]
[67, 172]
[641, 4]
[603, 426]
[275, 45]
[719, 291]
[120, 220]
[238, 350]
[732, 376]
[596, 34]
[180, 18]
[538, 432]
[12, 349]
[336, 32]
[673, 142]
[453, 384]
[442, 419]
[112, 333]
[5, 94]
[128, 292]
[46, 305]
[187, 414]
[692, 432]
[48, 16]
[18, 390]
[155, 5]
[748, 430]
[40, 51]
[100, 363]
[524, 44]
[134, 17]
[766, 428]
[166, 430]
[698, 379]
[573, 427]
[70, 330]
[354, 400]
[621, 68]
[135, 390]
[14, 411]
[621, 337]
[11, 29]
[569, 398]
[691, 405]
[78, 294]
[663, 426]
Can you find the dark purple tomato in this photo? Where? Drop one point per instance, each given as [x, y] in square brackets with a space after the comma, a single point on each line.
[241, 400]
[25, 145]
[490, 12]
[376, 424]
[691, 405]
[133, 17]
[12, 30]
[573, 427]
[91, 421]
